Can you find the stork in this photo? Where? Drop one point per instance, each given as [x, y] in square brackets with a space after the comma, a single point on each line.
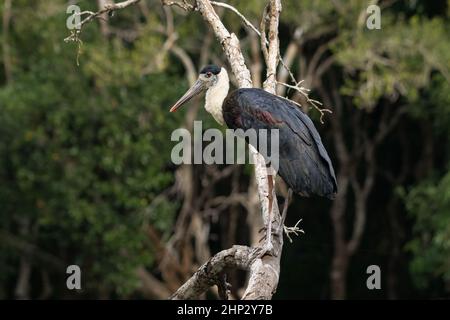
[304, 163]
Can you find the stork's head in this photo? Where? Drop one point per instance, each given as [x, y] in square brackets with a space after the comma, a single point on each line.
[212, 79]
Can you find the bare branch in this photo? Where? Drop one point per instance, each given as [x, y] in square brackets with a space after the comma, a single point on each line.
[304, 91]
[274, 10]
[183, 4]
[263, 41]
[210, 273]
[236, 11]
[104, 27]
[107, 10]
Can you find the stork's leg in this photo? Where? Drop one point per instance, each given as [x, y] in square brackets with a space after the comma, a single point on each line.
[285, 207]
[268, 246]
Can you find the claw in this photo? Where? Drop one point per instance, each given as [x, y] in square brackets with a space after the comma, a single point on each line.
[292, 230]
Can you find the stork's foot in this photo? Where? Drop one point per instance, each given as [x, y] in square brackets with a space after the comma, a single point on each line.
[295, 230]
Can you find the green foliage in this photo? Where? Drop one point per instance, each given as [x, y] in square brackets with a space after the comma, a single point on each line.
[84, 149]
[434, 106]
[429, 203]
[396, 60]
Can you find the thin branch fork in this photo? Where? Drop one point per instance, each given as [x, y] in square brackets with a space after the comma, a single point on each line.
[108, 9]
[211, 272]
[304, 91]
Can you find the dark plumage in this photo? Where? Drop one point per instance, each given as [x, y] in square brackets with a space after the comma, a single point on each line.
[304, 163]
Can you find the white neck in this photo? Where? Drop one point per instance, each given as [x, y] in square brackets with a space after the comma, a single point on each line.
[216, 94]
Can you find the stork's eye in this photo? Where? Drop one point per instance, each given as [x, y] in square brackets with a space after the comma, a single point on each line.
[208, 74]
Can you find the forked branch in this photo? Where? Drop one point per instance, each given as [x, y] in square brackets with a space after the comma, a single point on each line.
[108, 9]
[210, 273]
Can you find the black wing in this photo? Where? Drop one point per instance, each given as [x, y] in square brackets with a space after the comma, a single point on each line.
[304, 163]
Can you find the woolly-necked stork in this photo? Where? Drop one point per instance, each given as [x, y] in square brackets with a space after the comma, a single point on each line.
[304, 163]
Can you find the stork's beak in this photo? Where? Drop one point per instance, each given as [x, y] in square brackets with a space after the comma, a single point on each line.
[197, 88]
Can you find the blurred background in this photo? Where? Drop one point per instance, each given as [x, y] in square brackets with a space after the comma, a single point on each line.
[86, 177]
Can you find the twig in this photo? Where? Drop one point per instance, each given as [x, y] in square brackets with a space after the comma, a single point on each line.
[108, 9]
[92, 15]
[304, 91]
[236, 11]
[186, 6]
[295, 230]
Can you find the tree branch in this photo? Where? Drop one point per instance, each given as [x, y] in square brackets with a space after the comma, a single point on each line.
[209, 273]
[183, 4]
[274, 10]
[108, 9]
[240, 15]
